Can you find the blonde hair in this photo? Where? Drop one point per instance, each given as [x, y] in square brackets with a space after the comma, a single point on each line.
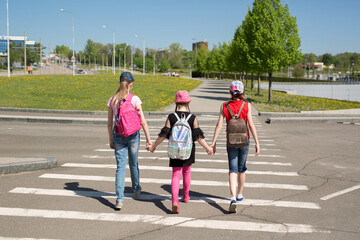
[121, 93]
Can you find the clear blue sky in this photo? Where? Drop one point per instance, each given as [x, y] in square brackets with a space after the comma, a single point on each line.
[324, 25]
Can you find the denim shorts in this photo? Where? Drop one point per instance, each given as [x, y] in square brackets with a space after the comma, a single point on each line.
[237, 159]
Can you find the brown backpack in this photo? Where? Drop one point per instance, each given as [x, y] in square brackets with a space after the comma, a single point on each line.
[236, 130]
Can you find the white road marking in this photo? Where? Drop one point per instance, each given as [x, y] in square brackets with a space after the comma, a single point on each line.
[198, 160]
[201, 153]
[161, 220]
[340, 193]
[168, 181]
[153, 197]
[8, 238]
[193, 169]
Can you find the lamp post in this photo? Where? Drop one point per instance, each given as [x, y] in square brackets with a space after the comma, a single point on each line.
[73, 38]
[104, 26]
[8, 37]
[125, 57]
[143, 52]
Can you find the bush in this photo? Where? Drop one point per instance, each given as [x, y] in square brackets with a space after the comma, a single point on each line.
[298, 71]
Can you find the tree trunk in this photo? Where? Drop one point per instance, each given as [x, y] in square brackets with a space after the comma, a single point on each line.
[259, 77]
[246, 77]
[235, 76]
[270, 87]
[252, 81]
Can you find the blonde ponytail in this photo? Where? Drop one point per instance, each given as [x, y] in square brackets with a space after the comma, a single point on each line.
[121, 93]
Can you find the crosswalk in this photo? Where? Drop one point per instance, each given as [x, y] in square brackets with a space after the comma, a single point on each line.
[270, 171]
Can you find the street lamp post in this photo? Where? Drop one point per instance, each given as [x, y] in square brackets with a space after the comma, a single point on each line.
[73, 38]
[143, 52]
[8, 37]
[125, 57]
[104, 26]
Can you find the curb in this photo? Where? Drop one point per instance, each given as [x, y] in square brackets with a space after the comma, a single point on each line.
[101, 121]
[26, 166]
[289, 114]
[312, 119]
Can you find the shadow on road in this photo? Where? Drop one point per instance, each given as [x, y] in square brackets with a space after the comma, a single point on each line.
[198, 194]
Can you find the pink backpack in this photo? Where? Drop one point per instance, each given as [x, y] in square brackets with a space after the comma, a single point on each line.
[128, 121]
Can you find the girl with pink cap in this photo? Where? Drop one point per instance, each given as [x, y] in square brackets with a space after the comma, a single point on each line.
[181, 167]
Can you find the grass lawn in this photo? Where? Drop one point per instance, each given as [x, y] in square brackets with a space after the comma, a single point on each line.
[282, 102]
[87, 92]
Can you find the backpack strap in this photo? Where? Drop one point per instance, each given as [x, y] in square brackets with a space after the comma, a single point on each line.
[238, 114]
[188, 117]
[228, 108]
[176, 116]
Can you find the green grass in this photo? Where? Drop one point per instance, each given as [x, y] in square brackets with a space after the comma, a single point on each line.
[282, 102]
[87, 92]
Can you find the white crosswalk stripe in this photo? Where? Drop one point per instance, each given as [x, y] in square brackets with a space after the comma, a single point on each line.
[168, 181]
[97, 194]
[161, 220]
[193, 169]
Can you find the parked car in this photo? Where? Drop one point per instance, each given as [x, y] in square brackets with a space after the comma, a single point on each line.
[80, 71]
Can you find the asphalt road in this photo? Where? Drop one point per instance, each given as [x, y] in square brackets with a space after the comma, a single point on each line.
[289, 192]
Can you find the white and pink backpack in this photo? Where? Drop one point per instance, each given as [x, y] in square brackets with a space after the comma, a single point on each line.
[128, 121]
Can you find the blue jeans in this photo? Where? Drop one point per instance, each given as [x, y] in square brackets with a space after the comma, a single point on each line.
[237, 159]
[122, 146]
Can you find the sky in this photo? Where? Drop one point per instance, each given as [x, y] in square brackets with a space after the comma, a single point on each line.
[325, 26]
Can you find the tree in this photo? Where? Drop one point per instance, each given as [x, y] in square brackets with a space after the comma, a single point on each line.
[164, 65]
[298, 71]
[175, 57]
[202, 55]
[275, 37]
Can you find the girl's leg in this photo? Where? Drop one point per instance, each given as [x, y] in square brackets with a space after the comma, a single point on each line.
[243, 153]
[241, 182]
[133, 148]
[233, 178]
[120, 155]
[175, 183]
[186, 183]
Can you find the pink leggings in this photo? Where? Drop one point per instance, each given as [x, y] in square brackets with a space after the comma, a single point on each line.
[175, 183]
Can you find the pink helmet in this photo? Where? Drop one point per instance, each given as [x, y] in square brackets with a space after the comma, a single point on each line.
[236, 87]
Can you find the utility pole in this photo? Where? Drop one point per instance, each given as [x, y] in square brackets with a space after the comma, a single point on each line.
[25, 52]
[40, 54]
[8, 37]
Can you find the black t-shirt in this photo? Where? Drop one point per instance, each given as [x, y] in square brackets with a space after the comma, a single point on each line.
[196, 133]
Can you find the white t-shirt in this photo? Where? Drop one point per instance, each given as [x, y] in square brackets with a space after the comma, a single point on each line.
[135, 101]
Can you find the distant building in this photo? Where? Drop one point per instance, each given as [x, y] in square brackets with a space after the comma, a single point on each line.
[197, 45]
[19, 41]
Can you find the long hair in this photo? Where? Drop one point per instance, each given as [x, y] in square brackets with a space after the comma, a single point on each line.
[182, 104]
[121, 93]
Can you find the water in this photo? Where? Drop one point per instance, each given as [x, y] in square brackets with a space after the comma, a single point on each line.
[340, 91]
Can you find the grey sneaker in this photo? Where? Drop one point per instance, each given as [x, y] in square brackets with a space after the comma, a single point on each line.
[137, 194]
[118, 205]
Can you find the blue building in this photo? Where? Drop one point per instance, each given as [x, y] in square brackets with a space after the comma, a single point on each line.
[19, 41]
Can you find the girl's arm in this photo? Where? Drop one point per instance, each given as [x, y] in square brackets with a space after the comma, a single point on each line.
[159, 140]
[145, 127]
[110, 126]
[218, 128]
[253, 131]
[202, 141]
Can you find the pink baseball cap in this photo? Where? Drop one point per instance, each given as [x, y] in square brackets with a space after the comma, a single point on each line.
[237, 86]
[182, 97]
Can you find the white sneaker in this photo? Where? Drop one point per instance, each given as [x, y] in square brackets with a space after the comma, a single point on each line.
[118, 205]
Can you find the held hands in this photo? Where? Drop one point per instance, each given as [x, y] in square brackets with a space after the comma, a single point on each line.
[213, 146]
[150, 147]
